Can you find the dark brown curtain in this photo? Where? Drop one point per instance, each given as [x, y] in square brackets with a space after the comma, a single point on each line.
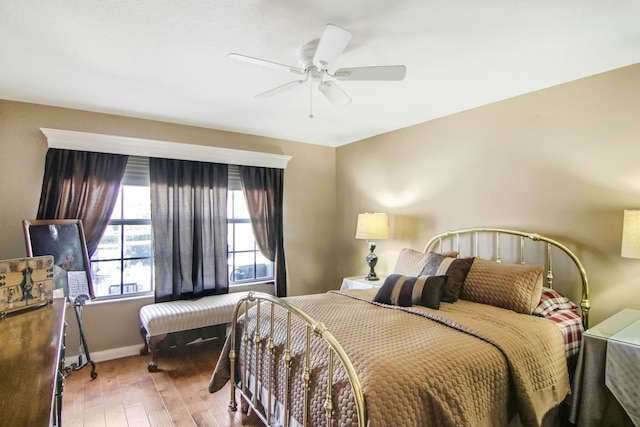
[189, 221]
[81, 185]
[264, 189]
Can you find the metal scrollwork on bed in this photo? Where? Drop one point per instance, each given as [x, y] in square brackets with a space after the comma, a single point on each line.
[263, 372]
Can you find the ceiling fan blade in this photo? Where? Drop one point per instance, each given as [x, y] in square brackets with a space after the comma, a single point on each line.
[333, 93]
[384, 72]
[280, 89]
[264, 62]
[331, 45]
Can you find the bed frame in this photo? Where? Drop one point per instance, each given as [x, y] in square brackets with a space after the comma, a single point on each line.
[484, 242]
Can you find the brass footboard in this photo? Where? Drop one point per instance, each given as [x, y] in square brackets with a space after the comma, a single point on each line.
[263, 340]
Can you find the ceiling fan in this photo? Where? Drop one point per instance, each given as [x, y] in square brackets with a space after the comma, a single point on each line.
[316, 59]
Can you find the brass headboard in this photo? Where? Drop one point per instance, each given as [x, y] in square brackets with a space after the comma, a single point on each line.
[480, 241]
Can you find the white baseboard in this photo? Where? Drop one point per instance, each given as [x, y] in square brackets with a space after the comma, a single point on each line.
[102, 356]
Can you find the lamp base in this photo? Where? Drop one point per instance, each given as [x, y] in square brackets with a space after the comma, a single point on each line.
[372, 260]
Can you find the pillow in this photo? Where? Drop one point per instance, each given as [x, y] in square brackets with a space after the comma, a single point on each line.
[455, 268]
[515, 287]
[551, 301]
[410, 262]
[406, 291]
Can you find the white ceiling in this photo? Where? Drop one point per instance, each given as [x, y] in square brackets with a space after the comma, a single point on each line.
[166, 60]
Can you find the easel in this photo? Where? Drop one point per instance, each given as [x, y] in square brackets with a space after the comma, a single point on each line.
[78, 304]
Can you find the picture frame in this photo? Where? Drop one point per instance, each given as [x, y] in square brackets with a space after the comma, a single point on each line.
[64, 240]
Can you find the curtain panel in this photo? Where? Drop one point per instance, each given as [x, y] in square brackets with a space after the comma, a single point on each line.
[189, 222]
[81, 185]
[264, 191]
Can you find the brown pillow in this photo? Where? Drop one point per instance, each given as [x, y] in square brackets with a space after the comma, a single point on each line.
[455, 268]
[406, 291]
[410, 262]
[515, 287]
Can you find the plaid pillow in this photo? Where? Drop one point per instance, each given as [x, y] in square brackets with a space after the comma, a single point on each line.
[550, 301]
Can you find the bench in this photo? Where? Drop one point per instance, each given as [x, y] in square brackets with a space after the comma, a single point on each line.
[159, 320]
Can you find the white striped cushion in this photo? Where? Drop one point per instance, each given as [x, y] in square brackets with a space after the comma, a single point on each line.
[174, 316]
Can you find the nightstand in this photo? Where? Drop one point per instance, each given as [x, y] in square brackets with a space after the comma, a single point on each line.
[607, 379]
[359, 282]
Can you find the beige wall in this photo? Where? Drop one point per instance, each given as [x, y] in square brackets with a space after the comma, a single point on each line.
[564, 161]
[309, 211]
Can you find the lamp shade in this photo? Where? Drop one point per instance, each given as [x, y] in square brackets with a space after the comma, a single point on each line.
[631, 234]
[372, 226]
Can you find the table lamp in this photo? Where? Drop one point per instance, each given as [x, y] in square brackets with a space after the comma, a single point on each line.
[372, 226]
[631, 234]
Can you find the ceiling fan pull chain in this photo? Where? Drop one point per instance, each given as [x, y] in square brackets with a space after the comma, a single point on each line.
[310, 99]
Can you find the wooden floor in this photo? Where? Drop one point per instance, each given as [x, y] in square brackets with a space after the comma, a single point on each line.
[126, 394]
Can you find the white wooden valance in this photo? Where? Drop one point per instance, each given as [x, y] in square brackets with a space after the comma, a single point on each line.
[83, 141]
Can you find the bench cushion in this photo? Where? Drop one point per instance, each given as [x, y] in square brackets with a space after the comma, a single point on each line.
[174, 316]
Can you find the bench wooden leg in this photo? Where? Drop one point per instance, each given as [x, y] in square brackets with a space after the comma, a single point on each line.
[152, 342]
[145, 347]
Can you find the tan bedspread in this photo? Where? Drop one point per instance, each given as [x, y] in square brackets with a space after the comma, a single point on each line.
[415, 371]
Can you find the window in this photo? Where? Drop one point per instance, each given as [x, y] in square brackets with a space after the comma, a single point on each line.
[246, 262]
[123, 263]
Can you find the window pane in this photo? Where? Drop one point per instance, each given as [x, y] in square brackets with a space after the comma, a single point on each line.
[109, 246]
[240, 210]
[137, 241]
[106, 278]
[244, 240]
[137, 202]
[244, 268]
[137, 276]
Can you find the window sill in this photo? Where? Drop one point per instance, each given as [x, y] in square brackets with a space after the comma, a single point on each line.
[108, 300]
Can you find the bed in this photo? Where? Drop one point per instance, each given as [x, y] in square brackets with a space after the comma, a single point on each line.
[470, 331]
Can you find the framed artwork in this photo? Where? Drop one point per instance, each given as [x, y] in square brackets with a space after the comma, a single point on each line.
[64, 240]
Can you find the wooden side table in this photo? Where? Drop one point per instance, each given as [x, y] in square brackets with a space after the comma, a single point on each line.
[608, 373]
[359, 282]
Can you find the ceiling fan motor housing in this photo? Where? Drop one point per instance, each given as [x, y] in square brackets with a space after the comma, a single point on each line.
[305, 59]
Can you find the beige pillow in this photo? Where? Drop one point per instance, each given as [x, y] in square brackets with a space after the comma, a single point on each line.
[515, 287]
[410, 262]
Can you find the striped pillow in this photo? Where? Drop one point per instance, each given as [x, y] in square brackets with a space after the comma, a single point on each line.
[456, 268]
[406, 291]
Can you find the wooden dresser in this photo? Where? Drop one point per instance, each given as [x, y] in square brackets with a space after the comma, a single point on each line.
[31, 361]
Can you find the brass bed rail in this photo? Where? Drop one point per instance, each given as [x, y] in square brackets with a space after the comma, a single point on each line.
[257, 300]
[452, 240]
